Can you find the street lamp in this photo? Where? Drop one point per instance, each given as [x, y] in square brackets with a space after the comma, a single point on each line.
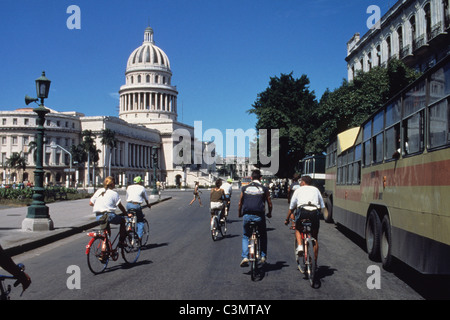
[54, 146]
[155, 163]
[38, 218]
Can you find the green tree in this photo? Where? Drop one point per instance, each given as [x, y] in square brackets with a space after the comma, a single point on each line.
[286, 105]
[16, 162]
[353, 102]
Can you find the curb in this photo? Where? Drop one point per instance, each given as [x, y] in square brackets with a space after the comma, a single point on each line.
[24, 247]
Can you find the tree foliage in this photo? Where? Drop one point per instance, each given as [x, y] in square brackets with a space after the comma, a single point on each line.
[353, 102]
[307, 125]
[286, 105]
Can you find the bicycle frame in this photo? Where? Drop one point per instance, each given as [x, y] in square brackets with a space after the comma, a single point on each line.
[107, 245]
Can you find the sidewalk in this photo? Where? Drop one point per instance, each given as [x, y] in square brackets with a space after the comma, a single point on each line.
[69, 218]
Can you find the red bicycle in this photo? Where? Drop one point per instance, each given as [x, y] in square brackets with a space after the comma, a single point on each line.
[100, 249]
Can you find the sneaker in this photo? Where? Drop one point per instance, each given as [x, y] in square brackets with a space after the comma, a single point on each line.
[263, 259]
[244, 262]
[299, 250]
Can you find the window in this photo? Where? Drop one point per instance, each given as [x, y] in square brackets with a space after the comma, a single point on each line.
[440, 83]
[357, 165]
[14, 121]
[413, 134]
[26, 121]
[4, 121]
[3, 140]
[14, 140]
[392, 143]
[439, 120]
[414, 99]
[367, 134]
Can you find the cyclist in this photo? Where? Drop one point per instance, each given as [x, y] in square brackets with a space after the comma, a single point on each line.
[227, 189]
[306, 194]
[105, 202]
[252, 204]
[216, 199]
[136, 195]
[9, 266]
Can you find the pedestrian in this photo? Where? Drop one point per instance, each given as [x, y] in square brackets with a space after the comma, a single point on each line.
[196, 195]
[252, 207]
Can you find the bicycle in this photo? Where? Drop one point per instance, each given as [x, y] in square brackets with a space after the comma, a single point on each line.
[218, 225]
[131, 224]
[306, 263]
[254, 250]
[5, 291]
[100, 249]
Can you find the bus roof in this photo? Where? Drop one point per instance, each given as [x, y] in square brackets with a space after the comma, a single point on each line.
[347, 139]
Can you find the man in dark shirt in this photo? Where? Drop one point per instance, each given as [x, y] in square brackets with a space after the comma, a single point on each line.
[252, 207]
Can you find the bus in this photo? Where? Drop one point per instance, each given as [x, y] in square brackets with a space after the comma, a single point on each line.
[314, 166]
[389, 180]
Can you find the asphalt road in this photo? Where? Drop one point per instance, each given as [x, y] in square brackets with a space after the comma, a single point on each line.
[181, 262]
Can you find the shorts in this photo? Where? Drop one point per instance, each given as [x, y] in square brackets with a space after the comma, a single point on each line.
[313, 216]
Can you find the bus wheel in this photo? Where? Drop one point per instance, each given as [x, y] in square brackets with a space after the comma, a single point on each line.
[373, 233]
[386, 243]
[328, 211]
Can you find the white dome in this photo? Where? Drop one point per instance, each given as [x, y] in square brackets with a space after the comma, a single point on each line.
[148, 55]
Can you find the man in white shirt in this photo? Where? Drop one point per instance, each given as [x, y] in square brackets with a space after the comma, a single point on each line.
[136, 195]
[306, 202]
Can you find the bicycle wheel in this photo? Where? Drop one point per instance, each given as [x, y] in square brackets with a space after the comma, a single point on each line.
[214, 228]
[96, 259]
[224, 227]
[146, 233]
[252, 258]
[299, 258]
[311, 262]
[131, 248]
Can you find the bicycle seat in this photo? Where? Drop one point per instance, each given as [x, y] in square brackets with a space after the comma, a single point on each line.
[253, 224]
[132, 211]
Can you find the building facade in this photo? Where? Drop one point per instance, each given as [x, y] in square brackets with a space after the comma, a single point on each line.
[415, 31]
[144, 134]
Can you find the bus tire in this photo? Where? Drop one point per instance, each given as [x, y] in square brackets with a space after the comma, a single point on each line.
[386, 243]
[328, 211]
[373, 234]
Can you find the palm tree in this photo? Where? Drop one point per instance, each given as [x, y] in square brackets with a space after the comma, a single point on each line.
[109, 139]
[88, 146]
[32, 147]
[16, 161]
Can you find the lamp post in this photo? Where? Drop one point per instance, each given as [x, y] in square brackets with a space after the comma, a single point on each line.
[38, 218]
[68, 182]
[155, 163]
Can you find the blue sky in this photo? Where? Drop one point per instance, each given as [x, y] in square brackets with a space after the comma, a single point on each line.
[222, 53]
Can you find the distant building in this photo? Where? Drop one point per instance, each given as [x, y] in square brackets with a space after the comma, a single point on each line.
[146, 122]
[415, 31]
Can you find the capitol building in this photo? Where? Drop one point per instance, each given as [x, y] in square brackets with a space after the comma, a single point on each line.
[143, 132]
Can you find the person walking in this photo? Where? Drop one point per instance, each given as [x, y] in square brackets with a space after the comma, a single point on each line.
[196, 195]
